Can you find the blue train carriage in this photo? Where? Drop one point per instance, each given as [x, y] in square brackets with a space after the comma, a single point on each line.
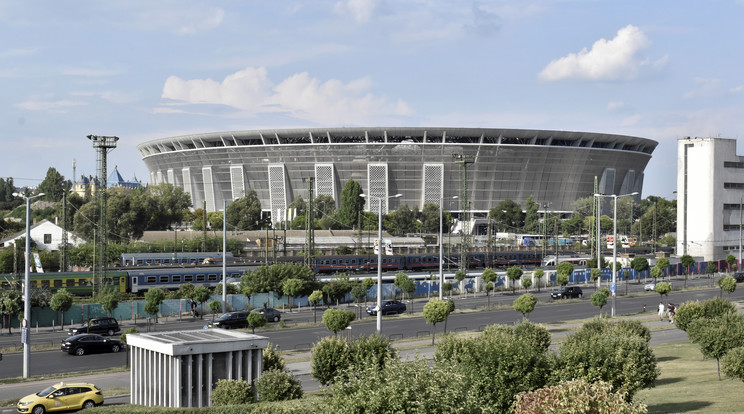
[172, 279]
[173, 258]
[78, 283]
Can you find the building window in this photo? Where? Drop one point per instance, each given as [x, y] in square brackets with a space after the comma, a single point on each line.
[731, 206]
[733, 164]
[733, 185]
[730, 227]
[47, 238]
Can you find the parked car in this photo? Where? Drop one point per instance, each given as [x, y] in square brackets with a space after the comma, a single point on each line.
[231, 320]
[388, 307]
[567, 292]
[271, 314]
[82, 344]
[650, 287]
[61, 397]
[739, 276]
[101, 326]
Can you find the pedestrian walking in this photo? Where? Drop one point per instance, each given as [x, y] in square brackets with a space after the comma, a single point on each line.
[661, 311]
[671, 313]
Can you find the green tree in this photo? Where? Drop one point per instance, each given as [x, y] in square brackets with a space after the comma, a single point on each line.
[718, 335]
[430, 219]
[656, 273]
[687, 261]
[245, 213]
[532, 216]
[728, 284]
[526, 283]
[200, 295]
[61, 302]
[278, 385]
[663, 263]
[333, 357]
[576, 396]
[324, 206]
[709, 308]
[663, 288]
[232, 392]
[400, 222]
[171, 203]
[730, 259]
[514, 273]
[733, 363]
[53, 186]
[10, 305]
[337, 319]
[314, 299]
[507, 216]
[525, 304]
[436, 311]
[154, 297]
[293, 287]
[538, 274]
[599, 298]
[639, 264]
[358, 292]
[561, 279]
[256, 320]
[272, 359]
[351, 204]
[109, 302]
[214, 306]
[489, 276]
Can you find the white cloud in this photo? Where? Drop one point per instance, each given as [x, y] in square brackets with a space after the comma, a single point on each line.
[614, 59]
[615, 105]
[88, 73]
[737, 89]
[18, 52]
[299, 95]
[360, 10]
[706, 87]
[181, 19]
[118, 97]
[208, 22]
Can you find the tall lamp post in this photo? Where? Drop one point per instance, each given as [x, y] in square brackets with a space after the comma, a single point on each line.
[613, 287]
[441, 252]
[379, 255]
[25, 325]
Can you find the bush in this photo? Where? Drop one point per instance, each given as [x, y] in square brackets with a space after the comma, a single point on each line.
[733, 363]
[710, 308]
[232, 392]
[534, 334]
[330, 356]
[127, 332]
[599, 326]
[579, 397]
[625, 361]
[375, 350]
[337, 319]
[278, 385]
[272, 359]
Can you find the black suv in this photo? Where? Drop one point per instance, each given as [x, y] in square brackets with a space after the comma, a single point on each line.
[567, 292]
[232, 320]
[739, 276]
[101, 326]
[388, 307]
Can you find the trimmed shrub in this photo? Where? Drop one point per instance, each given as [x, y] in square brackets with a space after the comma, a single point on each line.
[272, 359]
[578, 397]
[232, 392]
[330, 356]
[278, 385]
[127, 332]
[733, 363]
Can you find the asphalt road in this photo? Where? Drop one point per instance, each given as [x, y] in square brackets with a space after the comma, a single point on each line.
[395, 327]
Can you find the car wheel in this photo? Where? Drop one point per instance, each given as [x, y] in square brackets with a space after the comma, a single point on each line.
[80, 351]
[110, 332]
[88, 405]
[115, 348]
[39, 409]
[581, 295]
[276, 318]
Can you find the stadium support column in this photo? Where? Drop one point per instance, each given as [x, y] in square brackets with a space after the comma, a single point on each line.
[464, 160]
[103, 145]
[310, 229]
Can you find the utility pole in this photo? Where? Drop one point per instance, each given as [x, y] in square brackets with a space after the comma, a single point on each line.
[103, 145]
[63, 250]
[464, 160]
[310, 229]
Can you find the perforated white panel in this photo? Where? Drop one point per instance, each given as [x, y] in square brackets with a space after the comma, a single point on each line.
[277, 189]
[629, 180]
[159, 176]
[607, 182]
[325, 183]
[208, 188]
[237, 181]
[171, 176]
[186, 173]
[377, 187]
[433, 185]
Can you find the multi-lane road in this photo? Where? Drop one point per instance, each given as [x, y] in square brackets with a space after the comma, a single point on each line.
[395, 327]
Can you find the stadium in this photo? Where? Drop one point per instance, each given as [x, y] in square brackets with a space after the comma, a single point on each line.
[425, 165]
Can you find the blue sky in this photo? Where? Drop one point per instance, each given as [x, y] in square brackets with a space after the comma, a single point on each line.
[144, 70]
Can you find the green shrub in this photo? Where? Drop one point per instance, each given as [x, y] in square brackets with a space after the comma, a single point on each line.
[127, 332]
[232, 392]
[578, 397]
[272, 359]
[599, 326]
[535, 334]
[733, 363]
[688, 312]
[278, 385]
[330, 356]
[374, 349]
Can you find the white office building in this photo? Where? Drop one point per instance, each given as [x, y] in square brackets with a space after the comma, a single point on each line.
[710, 194]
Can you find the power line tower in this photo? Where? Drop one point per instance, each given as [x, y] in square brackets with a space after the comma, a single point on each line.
[103, 145]
[310, 228]
[464, 160]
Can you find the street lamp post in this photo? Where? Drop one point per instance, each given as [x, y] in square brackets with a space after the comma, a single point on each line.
[441, 249]
[25, 325]
[379, 256]
[614, 244]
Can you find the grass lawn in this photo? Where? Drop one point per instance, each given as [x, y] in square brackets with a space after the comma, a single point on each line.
[689, 384]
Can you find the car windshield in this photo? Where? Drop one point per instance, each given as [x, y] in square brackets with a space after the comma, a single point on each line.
[46, 391]
[224, 316]
[76, 337]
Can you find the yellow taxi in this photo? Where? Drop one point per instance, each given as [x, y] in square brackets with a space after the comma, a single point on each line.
[61, 397]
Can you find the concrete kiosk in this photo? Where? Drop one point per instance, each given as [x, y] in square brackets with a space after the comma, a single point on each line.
[180, 368]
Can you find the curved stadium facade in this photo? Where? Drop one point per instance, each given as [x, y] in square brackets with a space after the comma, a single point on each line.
[556, 167]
